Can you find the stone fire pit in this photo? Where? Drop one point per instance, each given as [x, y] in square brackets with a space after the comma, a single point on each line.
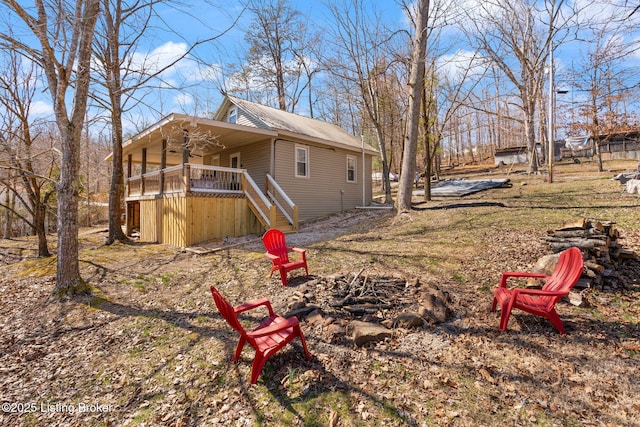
[368, 308]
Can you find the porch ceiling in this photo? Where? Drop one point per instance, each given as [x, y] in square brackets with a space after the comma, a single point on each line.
[206, 136]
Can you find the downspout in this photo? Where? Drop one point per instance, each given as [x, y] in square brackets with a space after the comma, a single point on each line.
[272, 167]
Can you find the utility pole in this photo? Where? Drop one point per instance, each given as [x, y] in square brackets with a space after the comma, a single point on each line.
[551, 114]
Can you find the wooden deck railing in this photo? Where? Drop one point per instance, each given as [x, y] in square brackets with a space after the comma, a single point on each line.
[192, 178]
[215, 179]
[134, 187]
[173, 181]
[185, 178]
[151, 182]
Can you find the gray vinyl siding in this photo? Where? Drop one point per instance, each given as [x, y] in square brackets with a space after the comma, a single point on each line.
[254, 158]
[248, 120]
[320, 193]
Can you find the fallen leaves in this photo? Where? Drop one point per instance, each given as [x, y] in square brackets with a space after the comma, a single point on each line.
[154, 347]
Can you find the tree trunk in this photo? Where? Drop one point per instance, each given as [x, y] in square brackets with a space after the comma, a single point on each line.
[116, 191]
[385, 164]
[10, 200]
[39, 222]
[529, 128]
[599, 155]
[596, 134]
[416, 84]
[282, 99]
[68, 279]
[427, 182]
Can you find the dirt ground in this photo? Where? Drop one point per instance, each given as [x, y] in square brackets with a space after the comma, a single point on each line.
[149, 348]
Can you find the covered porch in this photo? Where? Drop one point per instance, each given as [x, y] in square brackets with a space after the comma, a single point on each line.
[185, 183]
[191, 203]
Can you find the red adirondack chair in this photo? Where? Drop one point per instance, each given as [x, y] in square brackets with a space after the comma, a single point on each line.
[278, 252]
[270, 336]
[540, 302]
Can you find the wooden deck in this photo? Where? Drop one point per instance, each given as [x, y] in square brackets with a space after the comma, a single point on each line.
[187, 204]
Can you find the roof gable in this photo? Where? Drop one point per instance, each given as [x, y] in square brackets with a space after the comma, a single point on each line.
[278, 120]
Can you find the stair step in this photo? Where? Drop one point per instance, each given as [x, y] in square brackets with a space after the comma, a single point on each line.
[280, 222]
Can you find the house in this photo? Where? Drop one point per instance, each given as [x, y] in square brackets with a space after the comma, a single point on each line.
[511, 155]
[615, 145]
[247, 169]
[520, 153]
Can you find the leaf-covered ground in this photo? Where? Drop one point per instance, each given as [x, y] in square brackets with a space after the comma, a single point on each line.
[149, 348]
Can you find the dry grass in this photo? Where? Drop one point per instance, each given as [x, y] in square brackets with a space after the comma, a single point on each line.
[150, 347]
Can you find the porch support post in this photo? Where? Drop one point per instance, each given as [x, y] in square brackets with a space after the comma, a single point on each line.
[143, 169]
[296, 220]
[163, 165]
[272, 216]
[185, 146]
[129, 166]
[186, 172]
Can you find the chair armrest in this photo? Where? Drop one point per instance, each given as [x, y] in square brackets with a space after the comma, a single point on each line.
[274, 327]
[540, 292]
[519, 274]
[271, 256]
[302, 252]
[250, 305]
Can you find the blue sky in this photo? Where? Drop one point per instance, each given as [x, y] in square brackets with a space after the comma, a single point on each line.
[204, 19]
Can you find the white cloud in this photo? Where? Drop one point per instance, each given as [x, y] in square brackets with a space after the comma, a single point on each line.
[455, 65]
[159, 58]
[41, 108]
[183, 99]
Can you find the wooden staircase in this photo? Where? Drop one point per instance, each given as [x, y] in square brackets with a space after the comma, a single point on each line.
[269, 208]
[282, 223]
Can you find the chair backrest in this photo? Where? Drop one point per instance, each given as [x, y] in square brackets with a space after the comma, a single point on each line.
[275, 243]
[226, 310]
[567, 272]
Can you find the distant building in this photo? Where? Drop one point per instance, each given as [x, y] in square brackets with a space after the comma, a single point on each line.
[620, 145]
[518, 154]
[511, 155]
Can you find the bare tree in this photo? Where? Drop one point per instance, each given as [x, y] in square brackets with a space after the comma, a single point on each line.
[279, 57]
[123, 78]
[606, 78]
[517, 37]
[64, 32]
[360, 55]
[29, 164]
[444, 96]
[416, 85]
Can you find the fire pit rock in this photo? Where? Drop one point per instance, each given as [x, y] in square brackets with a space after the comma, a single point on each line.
[366, 308]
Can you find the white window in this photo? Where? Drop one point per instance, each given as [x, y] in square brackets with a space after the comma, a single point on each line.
[351, 169]
[232, 115]
[302, 161]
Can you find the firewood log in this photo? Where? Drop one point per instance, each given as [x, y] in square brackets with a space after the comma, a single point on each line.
[594, 266]
[579, 224]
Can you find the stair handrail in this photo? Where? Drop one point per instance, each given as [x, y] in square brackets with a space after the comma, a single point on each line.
[252, 191]
[291, 213]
